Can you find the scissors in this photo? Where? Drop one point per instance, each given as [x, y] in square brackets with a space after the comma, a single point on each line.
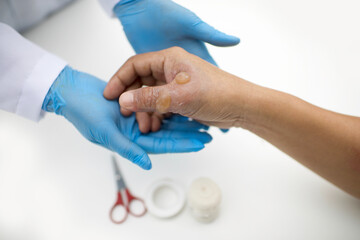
[126, 206]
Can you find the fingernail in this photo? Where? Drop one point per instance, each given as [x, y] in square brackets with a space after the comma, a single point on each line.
[127, 100]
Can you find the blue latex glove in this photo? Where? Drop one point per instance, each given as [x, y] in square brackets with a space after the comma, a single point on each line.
[78, 97]
[152, 25]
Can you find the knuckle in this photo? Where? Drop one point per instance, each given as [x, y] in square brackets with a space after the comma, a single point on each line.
[130, 60]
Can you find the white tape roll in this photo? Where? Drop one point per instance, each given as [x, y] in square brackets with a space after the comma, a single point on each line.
[204, 199]
[165, 198]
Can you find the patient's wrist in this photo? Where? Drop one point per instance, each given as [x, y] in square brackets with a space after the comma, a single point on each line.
[247, 103]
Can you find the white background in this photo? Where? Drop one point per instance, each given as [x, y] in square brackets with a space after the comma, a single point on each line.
[54, 184]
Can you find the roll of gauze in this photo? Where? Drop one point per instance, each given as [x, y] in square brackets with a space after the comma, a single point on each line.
[165, 198]
[204, 199]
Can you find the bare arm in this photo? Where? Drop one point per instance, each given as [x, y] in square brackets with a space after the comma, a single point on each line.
[326, 142]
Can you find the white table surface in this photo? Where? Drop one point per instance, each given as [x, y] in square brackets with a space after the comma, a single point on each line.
[54, 184]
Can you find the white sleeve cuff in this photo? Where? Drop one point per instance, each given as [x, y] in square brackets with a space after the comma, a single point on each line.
[37, 85]
[108, 6]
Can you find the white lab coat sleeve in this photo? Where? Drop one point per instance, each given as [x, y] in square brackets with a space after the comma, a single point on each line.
[108, 6]
[26, 74]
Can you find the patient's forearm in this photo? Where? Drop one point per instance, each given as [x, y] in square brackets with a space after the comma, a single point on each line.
[326, 142]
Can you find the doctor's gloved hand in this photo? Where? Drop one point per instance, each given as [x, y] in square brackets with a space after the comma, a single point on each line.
[79, 98]
[153, 25]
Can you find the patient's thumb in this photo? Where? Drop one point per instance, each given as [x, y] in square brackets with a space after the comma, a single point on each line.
[148, 99]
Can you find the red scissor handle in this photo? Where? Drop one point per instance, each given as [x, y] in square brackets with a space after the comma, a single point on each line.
[130, 199]
[119, 203]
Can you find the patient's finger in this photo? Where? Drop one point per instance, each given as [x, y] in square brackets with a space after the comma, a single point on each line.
[135, 85]
[144, 121]
[156, 120]
[142, 65]
[149, 121]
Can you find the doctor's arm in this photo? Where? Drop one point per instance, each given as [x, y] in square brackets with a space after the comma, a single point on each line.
[33, 81]
[326, 142]
[26, 74]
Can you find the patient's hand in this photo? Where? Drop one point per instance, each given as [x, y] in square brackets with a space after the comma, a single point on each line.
[181, 83]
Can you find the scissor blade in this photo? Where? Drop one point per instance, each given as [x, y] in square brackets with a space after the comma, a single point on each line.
[115, 165]
[119, 178]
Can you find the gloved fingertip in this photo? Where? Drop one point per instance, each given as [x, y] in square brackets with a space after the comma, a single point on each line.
[197, 146]
[224, 130]
[233, 40]
[204, 32]
[205, 138]
[209, 138]
[143, 161]
[147, 166]
[222, 39]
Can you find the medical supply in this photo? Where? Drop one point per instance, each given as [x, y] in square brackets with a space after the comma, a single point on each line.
[204, 199]
[125, 203]
[165, 198]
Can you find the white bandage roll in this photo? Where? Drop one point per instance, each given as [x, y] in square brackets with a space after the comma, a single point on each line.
[204, 199]
[165, 198]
